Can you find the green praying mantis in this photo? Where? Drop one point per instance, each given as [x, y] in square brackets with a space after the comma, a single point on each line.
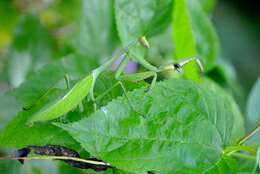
[85, 87]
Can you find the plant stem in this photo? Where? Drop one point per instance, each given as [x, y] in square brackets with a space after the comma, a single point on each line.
[232, 149]
[249, 135]
[57, 158]
[245, 156]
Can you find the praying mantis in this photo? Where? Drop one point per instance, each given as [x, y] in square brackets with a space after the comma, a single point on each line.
[85, 87]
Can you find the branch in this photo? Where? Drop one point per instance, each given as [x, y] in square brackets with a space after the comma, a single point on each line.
[57, 158]
[244, 156]
[249, 135]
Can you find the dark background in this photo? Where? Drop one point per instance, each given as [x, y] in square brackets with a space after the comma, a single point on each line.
[238, 26]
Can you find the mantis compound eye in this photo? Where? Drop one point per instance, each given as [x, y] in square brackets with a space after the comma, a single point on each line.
[177, 67]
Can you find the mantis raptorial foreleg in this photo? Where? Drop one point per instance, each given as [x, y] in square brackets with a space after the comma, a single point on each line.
[139, 77]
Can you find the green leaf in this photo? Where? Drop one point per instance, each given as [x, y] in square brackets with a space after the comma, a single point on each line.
[226, 165]
[38, 85]
[35, 167]
[208, 5]
[94, 34]
[179, 126]
[63, 105]
[253, 110]
[18, 134]
[8, 20]
[77, 66]
[31, 47]
[63, 8]
[141, 18]
[194, 35]
[8, 108]
[159, 53]
[66, 169]
[107, 88]
[258, 158]
[137, 18]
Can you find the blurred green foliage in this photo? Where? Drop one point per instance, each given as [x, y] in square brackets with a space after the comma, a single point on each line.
[41, 40]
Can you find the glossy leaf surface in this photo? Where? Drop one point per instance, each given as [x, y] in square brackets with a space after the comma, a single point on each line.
[193, 34]
[179, 126]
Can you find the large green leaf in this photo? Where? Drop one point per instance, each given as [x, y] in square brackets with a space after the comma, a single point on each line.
[184, 41]
[258, 158]
[253, 110]
[8, 108]
[51, 77]
[77, 66]
[63, 8]
[193, 34]
[179, 126]
[208, 5]
[18, 134]
[31, 49]
[227, 165]
[32, 167]
[8, 20]
[137, 18]
[31, 91]
[94, 34]
[107, 88]
[66, 103]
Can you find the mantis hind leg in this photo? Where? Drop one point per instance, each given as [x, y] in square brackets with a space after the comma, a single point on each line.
[128, 99]
[119, 83]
